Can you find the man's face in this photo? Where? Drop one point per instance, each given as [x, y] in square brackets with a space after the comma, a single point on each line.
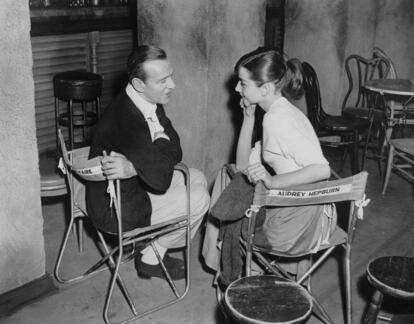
[159, 83]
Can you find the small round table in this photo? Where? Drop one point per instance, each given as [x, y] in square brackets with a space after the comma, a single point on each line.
[267, 299]
[403, 88]
[392, 276]
[392, 90]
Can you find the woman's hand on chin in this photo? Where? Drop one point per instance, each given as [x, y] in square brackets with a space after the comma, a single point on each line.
[248, 108]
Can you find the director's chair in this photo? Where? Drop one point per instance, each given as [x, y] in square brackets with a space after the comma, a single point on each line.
[78, 169]
[351, 189]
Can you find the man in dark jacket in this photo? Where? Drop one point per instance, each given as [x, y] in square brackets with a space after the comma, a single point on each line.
[142, 149]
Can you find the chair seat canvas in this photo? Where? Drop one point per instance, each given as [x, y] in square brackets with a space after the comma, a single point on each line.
[338, 237]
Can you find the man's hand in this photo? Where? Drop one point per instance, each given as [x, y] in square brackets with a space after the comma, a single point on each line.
[117, 166]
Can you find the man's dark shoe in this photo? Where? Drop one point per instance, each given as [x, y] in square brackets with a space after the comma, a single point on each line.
[175, 268]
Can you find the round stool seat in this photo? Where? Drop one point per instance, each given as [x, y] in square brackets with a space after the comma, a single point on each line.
[81, 91]
[267, 299]
[77, 85]
[393, 276]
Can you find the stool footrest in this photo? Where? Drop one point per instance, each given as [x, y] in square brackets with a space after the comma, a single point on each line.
[91, 119]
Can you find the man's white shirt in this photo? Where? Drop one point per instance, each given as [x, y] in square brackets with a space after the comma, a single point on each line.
[148, 110]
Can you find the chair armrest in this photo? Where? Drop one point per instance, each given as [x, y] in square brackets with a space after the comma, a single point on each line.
[183, 168]
[231, 169]
[180, 166]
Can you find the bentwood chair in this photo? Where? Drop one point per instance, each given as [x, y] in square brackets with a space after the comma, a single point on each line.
[361, 103]
[400, 159]
[379, 53]
[333, 131]
[78, 169]
[351, 190]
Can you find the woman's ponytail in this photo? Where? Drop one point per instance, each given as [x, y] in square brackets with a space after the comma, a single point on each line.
[269, 65]
[293, 87]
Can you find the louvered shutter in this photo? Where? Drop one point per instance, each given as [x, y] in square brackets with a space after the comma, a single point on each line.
[55, 54]
[51, 55]
[112, 52]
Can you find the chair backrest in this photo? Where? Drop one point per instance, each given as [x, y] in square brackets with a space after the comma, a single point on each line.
[312, 95]
[351, 189]
[78, 162]
[329, 191]
[378, 52]
[78, 168]
[359, 70]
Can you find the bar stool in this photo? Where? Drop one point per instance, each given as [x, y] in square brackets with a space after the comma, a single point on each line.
[80, 88]
[392, 276]
[267, 299]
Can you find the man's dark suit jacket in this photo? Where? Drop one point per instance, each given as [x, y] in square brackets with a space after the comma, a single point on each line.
[123, 129]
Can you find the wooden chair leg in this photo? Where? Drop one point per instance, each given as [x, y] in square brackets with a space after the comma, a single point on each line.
[367, 141]
[388, 168]
[381, 145]
[373, 308]
[354, 157]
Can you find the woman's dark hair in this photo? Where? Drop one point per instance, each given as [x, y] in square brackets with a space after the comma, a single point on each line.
[269, 65]
[139, 56]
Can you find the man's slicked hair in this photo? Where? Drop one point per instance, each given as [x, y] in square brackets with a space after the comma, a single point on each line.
[139, 56]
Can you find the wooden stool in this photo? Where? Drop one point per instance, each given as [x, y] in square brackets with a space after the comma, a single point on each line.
[392, 276]
[267, 299]
[78, 87]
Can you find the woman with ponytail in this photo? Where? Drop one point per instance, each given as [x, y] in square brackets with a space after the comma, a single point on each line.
[289, 154]
[289, 147]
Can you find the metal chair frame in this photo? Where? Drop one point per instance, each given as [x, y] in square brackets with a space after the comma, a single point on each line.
[351, 189]
[112, 257]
